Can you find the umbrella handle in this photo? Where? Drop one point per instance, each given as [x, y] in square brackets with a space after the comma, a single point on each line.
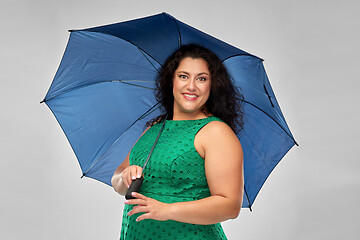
[134, 187]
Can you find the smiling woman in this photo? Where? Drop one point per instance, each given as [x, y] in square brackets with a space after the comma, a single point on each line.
[194, 179]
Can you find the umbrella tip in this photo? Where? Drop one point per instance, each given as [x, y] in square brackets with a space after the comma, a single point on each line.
[82, 175]
[165, 13]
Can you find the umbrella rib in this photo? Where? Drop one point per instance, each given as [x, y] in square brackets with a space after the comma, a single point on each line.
[134, 84]
[90, 84]
[247, 196]
[140, 50]
[268, 96]
[273, 120]
[150, 110]
[178, 28]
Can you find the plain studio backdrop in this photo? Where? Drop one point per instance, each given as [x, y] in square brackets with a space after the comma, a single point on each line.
[311, 52]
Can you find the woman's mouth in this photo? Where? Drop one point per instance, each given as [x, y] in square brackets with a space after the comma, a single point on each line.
[189, 96]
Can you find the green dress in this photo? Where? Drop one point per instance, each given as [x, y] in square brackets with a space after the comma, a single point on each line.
[174, 173]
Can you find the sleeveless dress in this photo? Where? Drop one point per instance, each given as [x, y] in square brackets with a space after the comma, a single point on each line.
[174, 173]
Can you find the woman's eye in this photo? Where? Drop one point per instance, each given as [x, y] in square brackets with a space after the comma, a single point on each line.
[201, 79]
[183, 76]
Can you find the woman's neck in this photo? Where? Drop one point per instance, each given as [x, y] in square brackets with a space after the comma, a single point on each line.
[191, 116]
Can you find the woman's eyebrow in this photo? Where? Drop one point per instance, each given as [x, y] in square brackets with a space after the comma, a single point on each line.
[204, 73]
[196, 74]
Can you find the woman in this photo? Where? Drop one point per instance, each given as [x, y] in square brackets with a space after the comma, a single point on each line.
[194, 178]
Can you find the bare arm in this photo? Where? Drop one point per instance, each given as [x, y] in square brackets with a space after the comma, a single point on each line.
[224, 172]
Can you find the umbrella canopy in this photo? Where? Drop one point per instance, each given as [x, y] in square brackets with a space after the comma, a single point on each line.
[104, 92]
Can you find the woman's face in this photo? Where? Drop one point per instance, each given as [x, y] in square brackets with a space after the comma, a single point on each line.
[191, 87]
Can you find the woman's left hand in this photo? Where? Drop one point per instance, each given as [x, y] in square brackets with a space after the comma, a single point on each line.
[152, 208]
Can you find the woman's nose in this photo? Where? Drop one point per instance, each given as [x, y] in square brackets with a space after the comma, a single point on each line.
[191, 85]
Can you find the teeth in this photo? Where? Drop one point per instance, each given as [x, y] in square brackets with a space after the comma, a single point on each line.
[192, 96]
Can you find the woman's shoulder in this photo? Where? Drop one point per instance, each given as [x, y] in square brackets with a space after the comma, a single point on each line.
[216, 128]
[216, 124]
[215, 135]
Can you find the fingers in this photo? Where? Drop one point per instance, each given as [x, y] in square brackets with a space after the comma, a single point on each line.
[125, 177]
[138, 195]
[141, 204]
[137, 209]
[131, 173]
[135, 202]
[135, 172]
[144, 216]
[151, 208]
[140, 209]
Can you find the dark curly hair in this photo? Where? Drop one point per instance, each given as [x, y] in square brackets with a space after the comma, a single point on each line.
[224, 102]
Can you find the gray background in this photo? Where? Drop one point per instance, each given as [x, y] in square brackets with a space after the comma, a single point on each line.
[311, 52]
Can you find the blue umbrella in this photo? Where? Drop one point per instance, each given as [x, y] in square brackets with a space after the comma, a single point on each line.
[103, 94]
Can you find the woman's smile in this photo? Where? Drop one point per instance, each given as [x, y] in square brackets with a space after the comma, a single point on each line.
[190, 96]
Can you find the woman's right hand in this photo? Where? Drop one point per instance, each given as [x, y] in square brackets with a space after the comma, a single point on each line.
[123, 177]
[131, 173]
